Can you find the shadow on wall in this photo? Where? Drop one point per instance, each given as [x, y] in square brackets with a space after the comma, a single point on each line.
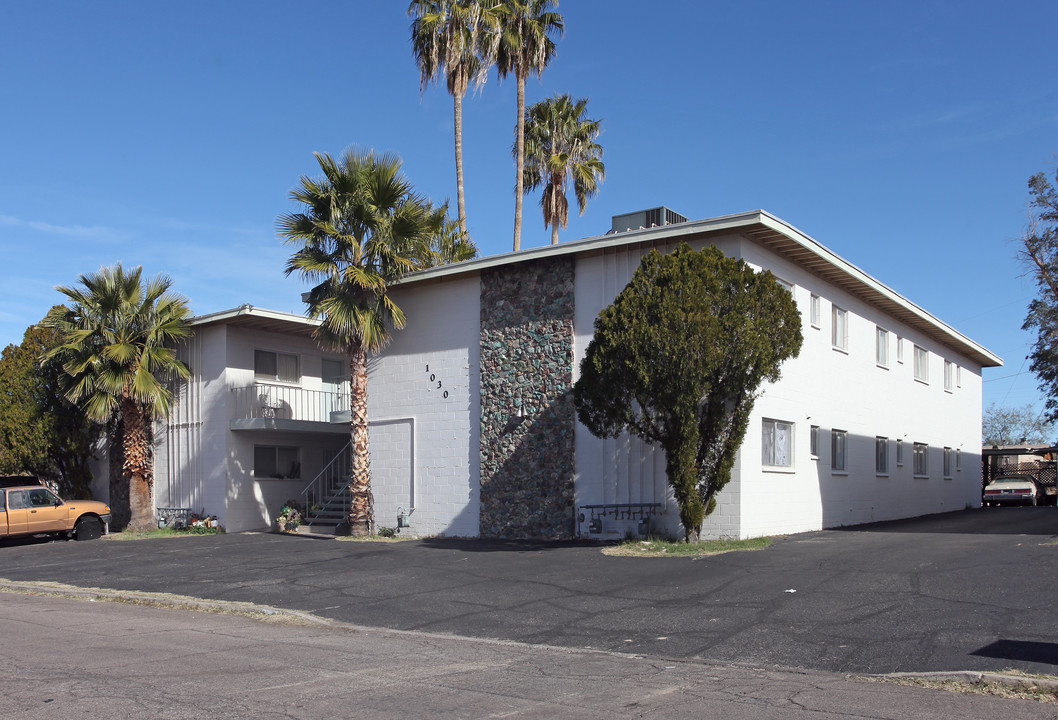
[527, 473]
[871, 479]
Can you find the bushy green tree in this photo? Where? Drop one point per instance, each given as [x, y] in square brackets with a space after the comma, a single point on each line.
[1040, 250]
[42, 433]
[1014, 425]
[678, 359]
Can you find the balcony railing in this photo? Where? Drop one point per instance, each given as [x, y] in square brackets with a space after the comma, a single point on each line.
[288, 403]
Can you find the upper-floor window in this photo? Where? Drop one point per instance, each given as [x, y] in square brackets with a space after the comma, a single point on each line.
[813, 441]
[881, 346]
[839, 329]
[777, 443]
[283, 367]
[949, 375]
[921, 364]
[899, 349]
[899, 452]
[814, 311]
[947, 462]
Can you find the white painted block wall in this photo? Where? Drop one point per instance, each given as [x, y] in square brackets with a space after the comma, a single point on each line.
[418, 430]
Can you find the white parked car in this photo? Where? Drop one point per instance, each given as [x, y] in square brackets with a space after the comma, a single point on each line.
[1010, 489]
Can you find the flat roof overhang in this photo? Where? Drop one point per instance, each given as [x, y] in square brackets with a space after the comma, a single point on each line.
[767, 231]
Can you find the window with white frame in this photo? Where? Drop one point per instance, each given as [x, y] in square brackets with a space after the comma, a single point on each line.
[899, 349]
[949, 375]
[839, 329]
[788, 286]
[276, 461]
[921, 364]
[881, 346]
[881, 455]
[839, 451]
[814, 312]
[947, 462]
[899, 452]
[921, 459]
[813, 441]
[958, 376]
[777, 443]
[283, 367]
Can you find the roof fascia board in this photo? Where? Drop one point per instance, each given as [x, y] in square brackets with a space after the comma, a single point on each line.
[251, 311]
[829, 256]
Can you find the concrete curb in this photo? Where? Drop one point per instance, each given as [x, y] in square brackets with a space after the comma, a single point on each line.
[164, 600]
[971, 677]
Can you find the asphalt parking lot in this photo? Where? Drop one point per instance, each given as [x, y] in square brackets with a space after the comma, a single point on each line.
[972, 590]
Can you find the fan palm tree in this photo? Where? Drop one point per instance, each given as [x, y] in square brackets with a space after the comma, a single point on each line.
[444, 38]
[560, 150]
[448, 246]
[361, 227]
[117, 353]
[521, 45]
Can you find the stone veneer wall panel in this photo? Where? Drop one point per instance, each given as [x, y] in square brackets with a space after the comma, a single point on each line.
[527, 412]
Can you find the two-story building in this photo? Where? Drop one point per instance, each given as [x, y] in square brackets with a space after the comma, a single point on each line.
[473, 430]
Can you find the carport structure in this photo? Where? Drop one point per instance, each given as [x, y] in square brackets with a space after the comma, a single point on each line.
[1036, 461]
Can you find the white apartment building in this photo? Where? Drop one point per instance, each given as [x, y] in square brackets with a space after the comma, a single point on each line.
[473, 430]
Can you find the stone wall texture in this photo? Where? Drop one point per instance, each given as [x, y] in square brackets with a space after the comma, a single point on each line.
[527, 412]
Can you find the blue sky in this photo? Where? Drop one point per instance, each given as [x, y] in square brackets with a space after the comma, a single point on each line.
[169, 135]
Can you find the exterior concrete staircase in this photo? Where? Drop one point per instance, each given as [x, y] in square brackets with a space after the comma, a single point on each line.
[326, 497]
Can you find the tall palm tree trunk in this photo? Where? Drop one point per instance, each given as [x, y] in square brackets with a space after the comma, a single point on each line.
[519, 181]
[137, 466]
[361, 510]
[462, 207]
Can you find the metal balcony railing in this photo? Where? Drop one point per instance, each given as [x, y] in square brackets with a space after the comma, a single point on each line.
[288, 403]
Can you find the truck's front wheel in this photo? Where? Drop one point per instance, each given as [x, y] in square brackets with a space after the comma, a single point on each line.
[88, 528]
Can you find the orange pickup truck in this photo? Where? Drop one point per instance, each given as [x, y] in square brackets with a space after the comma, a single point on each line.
[32, 509]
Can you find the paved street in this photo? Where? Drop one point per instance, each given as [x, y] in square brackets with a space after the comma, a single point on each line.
[972, 590]
[84, 659]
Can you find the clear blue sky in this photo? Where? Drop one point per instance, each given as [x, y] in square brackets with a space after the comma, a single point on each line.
[168, 135]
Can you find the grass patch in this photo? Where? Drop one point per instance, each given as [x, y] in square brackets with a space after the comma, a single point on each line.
[1018, 686]
[376, 538]
[658, 547]
[162, 533]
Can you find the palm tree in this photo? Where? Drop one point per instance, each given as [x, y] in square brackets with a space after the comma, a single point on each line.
[522, 44]
[361, 228]
[449, 245]
[444, 37]
[117, 352]
[560, 150]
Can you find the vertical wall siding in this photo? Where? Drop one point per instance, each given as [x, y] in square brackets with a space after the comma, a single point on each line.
[527, 414]
[181, 483]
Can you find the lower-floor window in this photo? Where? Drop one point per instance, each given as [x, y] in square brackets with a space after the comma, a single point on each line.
[276, 461]
[839, 450]
[881, 455]
[777, 443]
[921, 459]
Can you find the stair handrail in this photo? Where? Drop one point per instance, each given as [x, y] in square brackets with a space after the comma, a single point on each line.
[318, 491]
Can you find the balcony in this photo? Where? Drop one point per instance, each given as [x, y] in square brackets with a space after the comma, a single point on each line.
[288, 407]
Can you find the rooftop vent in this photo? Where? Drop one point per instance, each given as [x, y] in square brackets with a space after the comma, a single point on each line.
[654, 217]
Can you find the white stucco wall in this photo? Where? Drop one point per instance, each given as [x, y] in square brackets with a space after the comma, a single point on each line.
[849, 391]
[425, 446]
